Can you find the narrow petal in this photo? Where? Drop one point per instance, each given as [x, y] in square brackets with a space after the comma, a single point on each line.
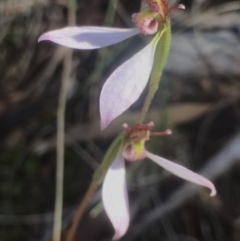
[115, 198]
[182, 172]
[126, 84]
[88, 37]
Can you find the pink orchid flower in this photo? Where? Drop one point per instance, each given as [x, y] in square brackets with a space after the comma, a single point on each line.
[127, 82]
[114, 190]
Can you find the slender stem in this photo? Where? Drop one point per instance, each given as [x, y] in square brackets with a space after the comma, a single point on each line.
[57, 225]
[96, 181]
[147, 102]
[110, 14]
[78, 215]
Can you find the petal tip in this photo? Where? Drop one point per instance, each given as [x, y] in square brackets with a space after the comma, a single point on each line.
[116, 236]
[42, 38]
[119, 233]
[213, 192]
[106, 118]
[181, 6]
[211, 186]
[39, 39]
[103, 125]
[168, 132]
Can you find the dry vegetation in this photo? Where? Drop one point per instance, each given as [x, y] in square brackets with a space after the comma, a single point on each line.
[199, 98]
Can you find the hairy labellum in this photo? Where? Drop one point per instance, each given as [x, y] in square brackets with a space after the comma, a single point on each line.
[146, 22]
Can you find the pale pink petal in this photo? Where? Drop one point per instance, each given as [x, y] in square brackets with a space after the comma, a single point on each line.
[88, 37]
[182, 172]
[126, 84]
[115, 198]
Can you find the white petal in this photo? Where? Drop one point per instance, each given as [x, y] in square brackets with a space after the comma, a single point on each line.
[88, 37]
[182, 172]
[115, 198]
[126, 84]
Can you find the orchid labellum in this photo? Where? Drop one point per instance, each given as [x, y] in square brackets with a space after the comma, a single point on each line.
[127, 82]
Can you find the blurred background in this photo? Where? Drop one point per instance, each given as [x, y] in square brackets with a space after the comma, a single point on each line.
[198, 98]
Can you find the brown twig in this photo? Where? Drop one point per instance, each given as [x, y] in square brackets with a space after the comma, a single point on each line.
[80, 211]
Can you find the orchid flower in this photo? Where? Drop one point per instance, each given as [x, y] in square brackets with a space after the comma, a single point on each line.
[114, 190]
[127, 82]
